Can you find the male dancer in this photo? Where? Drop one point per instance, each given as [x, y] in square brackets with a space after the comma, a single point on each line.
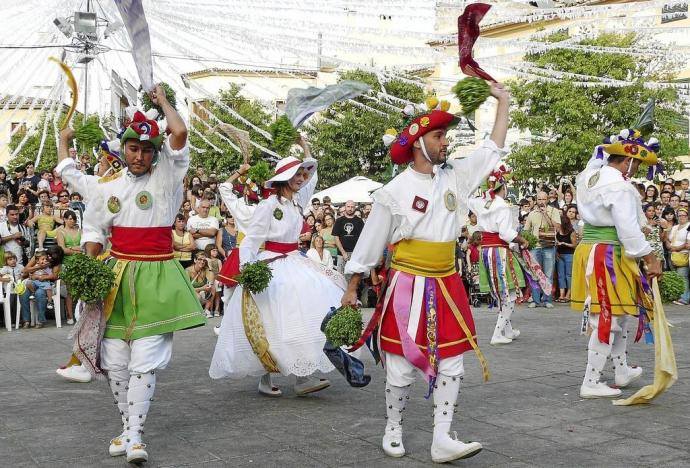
[499, 271]
[152, 296]
[608, 285]
[424, 318]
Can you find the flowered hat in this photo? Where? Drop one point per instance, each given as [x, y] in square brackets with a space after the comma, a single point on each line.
[630, 143]
[288, 167]
[143, 127]
[433, 117]
[496, 180]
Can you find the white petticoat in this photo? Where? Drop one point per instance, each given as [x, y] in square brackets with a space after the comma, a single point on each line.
[299, 295]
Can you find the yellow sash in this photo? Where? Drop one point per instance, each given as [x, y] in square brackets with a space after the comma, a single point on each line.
[255, 332]
[424, 258]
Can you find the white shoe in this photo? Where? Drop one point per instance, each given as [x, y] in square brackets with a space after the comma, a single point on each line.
[632, 375]
[392, 445]
[70, 321]
[117, 446]
[449, 449]
[513, 334]
[267, 388]
[599, 390]
[75, 374]
[136, 453]
[209, 314]
[310, 385]
[216, 330]
[500, 339]
[548, 305]
[216, 314]
[532, 305]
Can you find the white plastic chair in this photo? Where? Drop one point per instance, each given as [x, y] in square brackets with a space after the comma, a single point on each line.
[57, 307]
[5, 301]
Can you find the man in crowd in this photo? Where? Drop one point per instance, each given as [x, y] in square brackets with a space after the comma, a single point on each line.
[203, 227]
[543, 222]
[665, 197]
[30, 182]
[684, 187]
[12, 234]
[346, 231]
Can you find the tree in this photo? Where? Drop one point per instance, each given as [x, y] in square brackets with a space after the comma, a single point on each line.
[349, 141]
[567, 121]
[227, 159]
[29, 150]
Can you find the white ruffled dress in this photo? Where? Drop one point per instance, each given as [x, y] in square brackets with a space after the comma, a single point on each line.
[299, 295]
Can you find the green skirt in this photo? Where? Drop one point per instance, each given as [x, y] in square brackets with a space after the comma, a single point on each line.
[153, 298]
[499, 271]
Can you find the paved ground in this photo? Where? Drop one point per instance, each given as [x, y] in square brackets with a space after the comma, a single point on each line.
[529, 414]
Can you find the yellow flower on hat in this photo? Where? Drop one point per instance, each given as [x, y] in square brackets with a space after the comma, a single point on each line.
[445, 105]
[391, 131]
[431, 102]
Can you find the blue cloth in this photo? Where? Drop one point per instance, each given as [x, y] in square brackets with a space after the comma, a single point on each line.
[683, 272]
[350, 367]
[564, 267]
[545, 256]
[41, 303]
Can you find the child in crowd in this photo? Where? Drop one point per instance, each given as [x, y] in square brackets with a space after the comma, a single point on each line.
[11, 272]
[39, 279]
[214, 265]
[46, 223]
[202, 281]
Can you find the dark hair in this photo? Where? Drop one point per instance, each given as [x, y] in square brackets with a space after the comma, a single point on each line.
[76, 194]
[56, 254]
[9, 208]
[42, 192]
[19, 169]
[44, 172]
[279, 188]
[566, 224]
[656, 192]
[669, 210]
[180, 217]
[666, 191]
[69, 214]
[617, 158]
[675, 195]
[2, 170]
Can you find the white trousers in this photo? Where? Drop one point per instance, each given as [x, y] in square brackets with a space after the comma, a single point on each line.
[136, 356]
[401, 373]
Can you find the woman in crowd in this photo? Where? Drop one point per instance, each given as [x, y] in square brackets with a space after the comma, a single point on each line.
[652, 230]
[26, 211]
[677, 245]
[183, 244]
[668, 216]
[195, 181]
[566, 241]
[195, 197]
[214, 265]
[68, 237]
[320, 254]
[226, 239]
[651, 194]
[56, 185]
[327, 234]
[202, 281]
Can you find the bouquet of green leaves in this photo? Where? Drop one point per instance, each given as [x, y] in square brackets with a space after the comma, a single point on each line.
[471, 92]
[147, 103]
[88, 135]
[671, 286]
[284, 135]
[254, 277]
[531, 238]
[345, 327]
[259, 173]
[87, 278]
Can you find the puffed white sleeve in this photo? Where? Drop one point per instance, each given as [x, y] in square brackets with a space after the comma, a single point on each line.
[471, 171]
[236, 206]
[506, 228]
[372, 241]
[175, 163]
[257, 231]
[95, 223]
[624, 210]
[305, 193]
[75, 179]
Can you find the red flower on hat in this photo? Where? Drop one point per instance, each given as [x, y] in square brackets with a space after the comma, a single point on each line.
[144, 126]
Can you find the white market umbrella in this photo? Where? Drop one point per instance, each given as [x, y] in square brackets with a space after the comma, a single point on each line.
[357, 189]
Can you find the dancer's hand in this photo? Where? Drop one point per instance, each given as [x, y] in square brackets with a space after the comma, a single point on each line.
[499, 91]
[349, 298]
[652, 265]
[158, 96]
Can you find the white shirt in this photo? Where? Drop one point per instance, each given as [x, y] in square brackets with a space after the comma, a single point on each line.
[11, 246]
[241, 211]
[327, 259]
[197, 222]
[396, 214]
[605, 198]
[43, 185]
[679, 236]
[495, 216]
[276, 221]
[163, 183]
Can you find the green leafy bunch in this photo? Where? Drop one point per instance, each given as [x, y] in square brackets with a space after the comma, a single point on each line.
[147, 103]
[259, 173]
[671, 286]
[86, 278]
[345, 327]
[284, 135]
[471, 92]
[88, 135]
[255, 276]
[531, 238]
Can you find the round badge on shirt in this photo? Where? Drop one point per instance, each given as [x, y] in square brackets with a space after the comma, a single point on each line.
[114, 205]
[144, 200]
[278, 214]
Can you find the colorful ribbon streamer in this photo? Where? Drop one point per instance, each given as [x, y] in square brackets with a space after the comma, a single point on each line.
[468, 32]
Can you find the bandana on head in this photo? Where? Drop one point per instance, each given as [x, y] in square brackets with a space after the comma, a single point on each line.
[143, 128]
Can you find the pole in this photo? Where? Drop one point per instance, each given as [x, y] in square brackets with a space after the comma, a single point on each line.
[86, 68]
[318, 52]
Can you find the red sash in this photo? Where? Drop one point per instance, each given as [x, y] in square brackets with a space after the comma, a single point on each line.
[231, 267]
[492, 239]
[146, 244]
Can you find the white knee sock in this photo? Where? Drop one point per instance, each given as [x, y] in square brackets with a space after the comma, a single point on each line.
[119, 381]
[139, 396]
[445, 404]
[597, 355]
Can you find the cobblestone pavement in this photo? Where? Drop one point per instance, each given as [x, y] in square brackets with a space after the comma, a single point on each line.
[528, 414]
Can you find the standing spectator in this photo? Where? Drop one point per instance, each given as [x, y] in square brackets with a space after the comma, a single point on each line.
[315, 205]
[365, 211]
[193, 182]
[86, 166]
[652, 231]
[4, 201]
[665, 197]
[668, 220]
[226, 240]
[15, 183]
[44, 181]
[543, 222]
[651, 194]
[677, 245]
[683, 191]
[566, 241]
[553, 198]
[203, 227]
[346, 230]
[56, 185]
[4, 183]
[12, 235]
[327, 202]
[214, 265]
[327, 235]
[183, 243]
[201, 174]
[472, 226]
[31, 179]
[319, 254]
[674, 202]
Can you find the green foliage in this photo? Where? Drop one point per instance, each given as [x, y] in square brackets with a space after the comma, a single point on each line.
[259, 173]
[284, 135]
[254, 277]
[349, 143]
[567, 122]
[531, 238]
[86, 278]
[345, 327]
[227, 159]
[471, 92]
[88, 135]
[169, 94]
[671, 286]
[557, 36]
[29, 151]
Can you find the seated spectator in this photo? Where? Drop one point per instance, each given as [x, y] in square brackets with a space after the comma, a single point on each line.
[11, 272]
[44, 182]
[13, 236]
[45, 220]
[68, 236]
[183, 243]
[327, 235]
[319, 254]
[202, 281]
[56, 185]
[24, 207]
[40, 275]
[62, 204]
[203, 227]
